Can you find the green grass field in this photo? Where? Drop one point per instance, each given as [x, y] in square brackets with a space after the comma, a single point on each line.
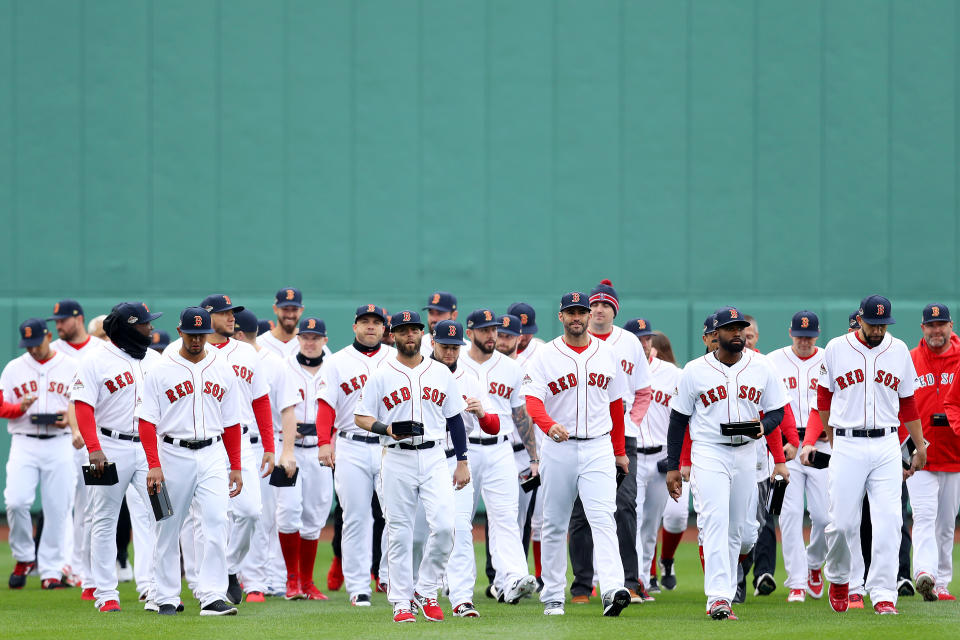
[34, 614]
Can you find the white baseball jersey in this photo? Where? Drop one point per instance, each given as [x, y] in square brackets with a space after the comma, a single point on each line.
[524, 356]
[283, 349]
[426, 393]
[800, 377]
[633, 360]
[664, 378]
[711, 392]
[577, 388]
[111, 381]
[77, 351]
[49, 382]
[283, 392]
[190, 401]
[242, 358]
[305, 387]
[470, 387]
[867, 384]
[500, 378]
[343, 376]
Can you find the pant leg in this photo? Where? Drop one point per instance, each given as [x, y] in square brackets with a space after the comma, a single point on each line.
[80, 559]
[354, 481]
[436, 495]
[597, 486]
[791, 527]
[336, 543]
[581, 551]
[626, 518]
[290, 499]
[123, 533]
[818, 505]
[23, 476]
[652, 499]
[255, 566]
[558, 489]
[847, 479]
[143, 525]
[499, 490]
[180, 475]
[765, 551]
[923, 488]
[903, 571]
[884, 486]
[212, 501]
[244, 510]
[57, 477]
[400, 495]
[461, 570]
[946, 524]
[317, 497]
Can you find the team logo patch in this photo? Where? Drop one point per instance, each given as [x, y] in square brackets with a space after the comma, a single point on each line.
[28, 332]
[804, 322]
[435, 299]
[145, 307]
[311, 324]
[451, 331]
[209, 307]
[506, 321]
[77, 384]
[575, 297]
[880, 309]
[487, 315]
[527, 380]
[290, 295]
[132, 320]
[56, 308]
[371, 308]
[524, 319]
[823, 370]
[935, 311]
[156, 338]
[227, 299]
[733, 314]
[406, 316]
[198, 321]
[641, 324]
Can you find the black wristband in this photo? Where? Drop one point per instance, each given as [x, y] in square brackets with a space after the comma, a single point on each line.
[461, 457]
[378, 428]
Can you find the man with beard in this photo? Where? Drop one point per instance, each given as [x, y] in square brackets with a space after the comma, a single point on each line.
[528, 343]
[727, 385]
[577, 380]
[441, 305]
[421, 393]
[288, 306]
[508, 335]
[865, 388]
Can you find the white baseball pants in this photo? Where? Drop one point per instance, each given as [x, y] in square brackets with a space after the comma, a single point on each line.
[144, 532]
[356, 479]
[80, 558]
[245, 508]
[48, 463]
[871, 466]
[676, 515]
[105, 502]
[587, 468]
[935, 499]
[304, 507]
[652, 500]
[198, 478]
[263, 566]
[462, 565]
[797, 558]
[723, 483]
[407, 477]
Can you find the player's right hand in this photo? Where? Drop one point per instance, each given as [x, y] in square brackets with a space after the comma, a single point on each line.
[805, 454]
[154, 478]
[97, 460]
[674, 484]
[558, 433]
[475, 407]
[289, 464]
[26, 402]
[326, 455]
[78, 442]
[685, 473]
[919, 460]
[390, 433]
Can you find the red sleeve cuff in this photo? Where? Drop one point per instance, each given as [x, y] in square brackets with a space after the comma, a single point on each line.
[10, 410]
[148, 440]
[685, 458]
[789, 426]
[231, 441]
[641, 402]
[538, 413]
[814, 429]
[908, 409]
[326, 416]
[618, 430]
[775, 445]
[264, 416]
[490, 423]
[824, 398]
[87, 425]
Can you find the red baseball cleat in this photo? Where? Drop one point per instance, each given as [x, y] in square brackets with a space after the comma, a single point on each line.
[720, 610]
[856, 601]
[429, 606]
[815, 584]
[943, 594]
[19, 576]
[402, 612]
[110, 606]
[255, 596]
[311, 592]
[839, 595]
[293, 588]
[54, 583]
[885, 609]
[335, 575]
[87, 594]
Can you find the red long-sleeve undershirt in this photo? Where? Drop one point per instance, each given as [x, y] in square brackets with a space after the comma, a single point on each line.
[148, 438]
[10, 410]
[87, 424]
[538, 413]
[326, 416]
[264, 416]
[788, 426]
[641, 402]
[490, 423]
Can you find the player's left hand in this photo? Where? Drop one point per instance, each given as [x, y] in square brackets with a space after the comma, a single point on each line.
[789, 451]
[475, 407]
[919, 459]
[289, 464]
[623, 462]
[78, 441]
[534, 469]
[61, 421]
[325, 455]
[267, 463]
[235, 483]
[674, 484]
[97, 460]
[780, 469]
[461, 475]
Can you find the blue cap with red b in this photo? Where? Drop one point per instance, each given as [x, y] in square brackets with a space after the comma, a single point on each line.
[509, 324]
[481, 318]
[289, 297]
[527, 315]
[936, 312]
[194, 321]
[448, 332]
[32, 332]
[876, 309]
[66, 309]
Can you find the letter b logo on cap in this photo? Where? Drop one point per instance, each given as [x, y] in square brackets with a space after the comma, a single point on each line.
[435, 299]
[804, 322]
[28, 332]
[575, 297]
[289, 294]
[935, 311]
[311, 324]
[880, 309]
[451, 331]
[198, 321]
[406, 316]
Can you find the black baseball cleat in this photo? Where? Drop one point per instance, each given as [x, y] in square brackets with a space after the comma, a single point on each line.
[905, 587]
[668, 579]
[167, 610]
[765, 585]
[218, 608]
[615, 601]
[234, 591]
[19, 576]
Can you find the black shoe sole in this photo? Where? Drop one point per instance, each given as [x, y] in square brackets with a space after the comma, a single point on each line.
[621, 600]
[766, 587]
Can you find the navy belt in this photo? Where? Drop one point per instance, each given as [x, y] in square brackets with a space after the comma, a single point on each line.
[488, 441]
[517, 446]
[865, 433]
[737, 444]
[359, 438]
[305, 446]
[38, 437]
[191, 444]
[116, 435]
[648, 451]
[414, 447]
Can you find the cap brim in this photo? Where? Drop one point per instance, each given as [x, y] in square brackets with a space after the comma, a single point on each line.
[375, 315]
[235, 309]
[196, 332]
[643, 332]
[313, 331]
[484, 325]
[879, 321]
[61, 316]
[288, 303]
[804, 333]
[450, 341]
[30, 342]
[530, 329]
[437, 307]
[509, 332]
[732, 323]
[406, 324]
[932, 320]
[151, 317]
[576, 305]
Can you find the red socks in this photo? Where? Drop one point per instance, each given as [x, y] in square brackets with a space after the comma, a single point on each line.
[670, 543]
[536, 557]
[290, 546]
[702, 561]
[308, 557]
[653, 564]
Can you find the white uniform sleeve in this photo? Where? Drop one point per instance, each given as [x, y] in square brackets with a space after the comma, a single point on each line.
[642, 377]
[230, 409]
[261, 385]
[4, 383]
[774, 392]
[369, 395]
[534, 383]
[149, 408]
[685, 399]
[517, 399]
[86, 387]
[286, 392]
[453, 402]
[328, 383]
[620, 386]
[824, 378]
[908, 383]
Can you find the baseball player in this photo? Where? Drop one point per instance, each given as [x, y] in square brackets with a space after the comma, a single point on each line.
[263, 568]
[159, 340]
[798, 365]
[288, 306]
[441, 305]
[652, 494]
[577, 380]
[106, 391]
[935, 490]
[413, 388]
[38, 384]
[492, 464]
[302, 510]
[358, 454]
[604, 306]
[190, 404]
[865, 382]
[528, 343]
[508, 335]
[726, 385]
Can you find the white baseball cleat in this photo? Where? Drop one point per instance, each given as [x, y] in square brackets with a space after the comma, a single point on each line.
[554, 608]
[520, 588]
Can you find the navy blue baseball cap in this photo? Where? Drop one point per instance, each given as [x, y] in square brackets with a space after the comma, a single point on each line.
[708, 324]
[135, 313]
[527, 315]
[371, 310]
[508, 324]
[448, 332]
[32, 332]
[218, 303]
[805, 324]
[480, 318]
[289, 297]
[246, 321]
[728, 316]
[639, 327]
[66, 309]
[405, 318]
[876, 309]
[574, 299]
[936, 312]
[195, 320]
[442, 301]
[159, 340]
[264, 326]
[313, 325]
[853, 320]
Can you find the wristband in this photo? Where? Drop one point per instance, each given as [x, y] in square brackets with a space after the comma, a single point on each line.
[534, 461]
[378, 428]
[461, 457]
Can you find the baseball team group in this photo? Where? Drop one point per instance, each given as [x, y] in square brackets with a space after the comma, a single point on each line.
[225, 451]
